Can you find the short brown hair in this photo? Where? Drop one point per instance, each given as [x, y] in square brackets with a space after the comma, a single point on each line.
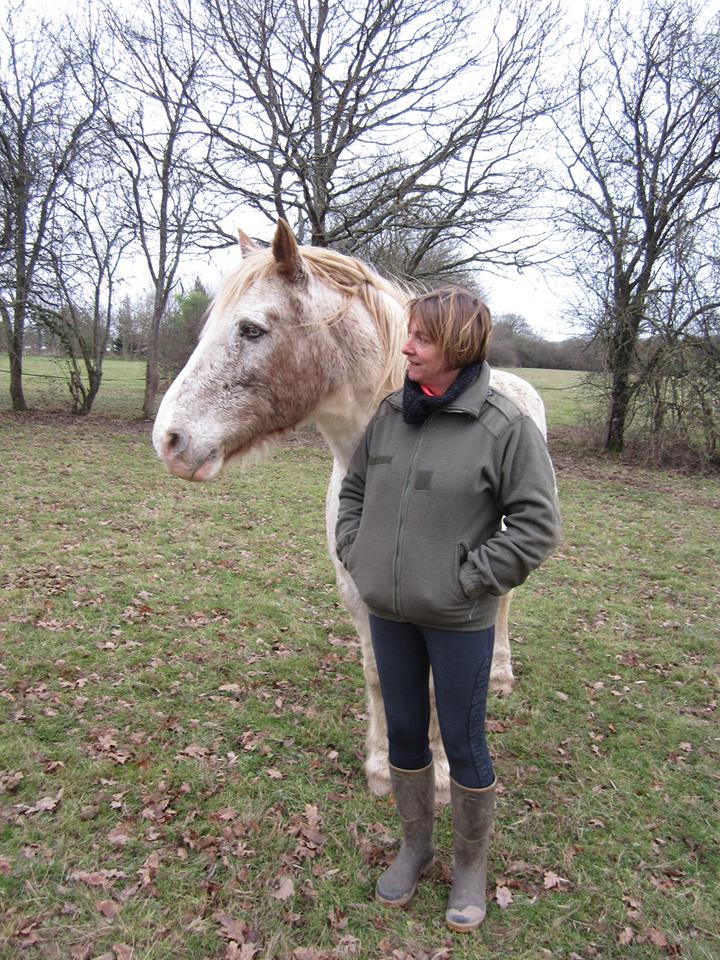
[457, 320]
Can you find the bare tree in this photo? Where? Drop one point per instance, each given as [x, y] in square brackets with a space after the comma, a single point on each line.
[150, 85]
[351, 118]
[95, 235]
[642, 156]
[45, 126]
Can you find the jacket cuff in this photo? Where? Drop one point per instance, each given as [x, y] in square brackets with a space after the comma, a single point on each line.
[471, 580]
[342, 547]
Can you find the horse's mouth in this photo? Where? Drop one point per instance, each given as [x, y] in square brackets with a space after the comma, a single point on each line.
[210, 468]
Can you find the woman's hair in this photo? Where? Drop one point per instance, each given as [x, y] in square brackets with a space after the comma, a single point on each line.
[455, 319]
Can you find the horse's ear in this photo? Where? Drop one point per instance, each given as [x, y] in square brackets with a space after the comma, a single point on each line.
[247, 244]
[287, 254]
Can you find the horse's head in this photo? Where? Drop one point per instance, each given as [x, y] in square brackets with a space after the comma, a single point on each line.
[276, 344]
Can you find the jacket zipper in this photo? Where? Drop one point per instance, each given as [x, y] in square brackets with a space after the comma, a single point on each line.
[401, 521]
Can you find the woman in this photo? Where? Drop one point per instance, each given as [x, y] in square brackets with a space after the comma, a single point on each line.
[420, 530]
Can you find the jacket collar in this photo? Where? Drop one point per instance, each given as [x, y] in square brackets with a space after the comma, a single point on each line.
[469, 402]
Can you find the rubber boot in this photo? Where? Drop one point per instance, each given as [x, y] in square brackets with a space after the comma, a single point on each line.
[473, 813]
[414, 792]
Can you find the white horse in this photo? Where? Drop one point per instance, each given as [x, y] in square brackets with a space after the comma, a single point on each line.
[297, 336]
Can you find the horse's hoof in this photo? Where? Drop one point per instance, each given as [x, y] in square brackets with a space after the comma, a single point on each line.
[502, 683]
[442, 785]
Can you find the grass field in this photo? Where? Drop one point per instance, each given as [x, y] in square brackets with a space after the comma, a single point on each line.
[182, 712]
[45, 383]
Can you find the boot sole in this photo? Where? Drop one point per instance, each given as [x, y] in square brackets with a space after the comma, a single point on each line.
[463, 927]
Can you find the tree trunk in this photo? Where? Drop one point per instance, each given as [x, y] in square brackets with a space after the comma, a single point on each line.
[622, 352]
[619, 400]
[15, 353]
[152, 374]
[93, 388]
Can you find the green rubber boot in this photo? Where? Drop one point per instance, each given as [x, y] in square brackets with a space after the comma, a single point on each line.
[414, 792]
[473, 814]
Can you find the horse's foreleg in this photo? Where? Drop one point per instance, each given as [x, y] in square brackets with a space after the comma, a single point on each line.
[501, 674]
[376, 746]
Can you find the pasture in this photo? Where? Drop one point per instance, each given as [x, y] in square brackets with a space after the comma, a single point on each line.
[183, 719]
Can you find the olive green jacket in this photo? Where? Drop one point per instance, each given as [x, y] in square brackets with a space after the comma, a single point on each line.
[420, 523]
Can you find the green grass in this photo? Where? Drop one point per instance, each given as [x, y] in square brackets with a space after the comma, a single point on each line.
[182, 718]
[564, 393]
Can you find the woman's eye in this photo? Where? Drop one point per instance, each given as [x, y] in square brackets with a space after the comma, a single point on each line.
[251, 332]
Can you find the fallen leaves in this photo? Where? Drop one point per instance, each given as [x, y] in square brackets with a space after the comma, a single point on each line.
[97, 878]
[392, 952]
[530, 880]
[47, 804]
[107, 908]
[119, 835]
[503, 897]
[244, 943]
[284, 890]
[649, 935]
[551, 881]
[85, 951]
[10, 781]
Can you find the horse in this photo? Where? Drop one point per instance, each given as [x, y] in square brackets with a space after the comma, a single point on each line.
[296, 336]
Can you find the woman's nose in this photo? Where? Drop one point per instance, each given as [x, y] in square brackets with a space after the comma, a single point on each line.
[406, 348]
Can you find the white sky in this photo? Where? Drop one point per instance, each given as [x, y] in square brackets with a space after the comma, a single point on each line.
[535, 295]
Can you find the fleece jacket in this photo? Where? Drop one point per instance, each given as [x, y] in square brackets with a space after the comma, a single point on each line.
[420, 526]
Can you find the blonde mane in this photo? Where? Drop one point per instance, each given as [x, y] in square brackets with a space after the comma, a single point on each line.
[384, 301]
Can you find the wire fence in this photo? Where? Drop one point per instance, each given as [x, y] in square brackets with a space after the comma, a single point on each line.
[59, 376]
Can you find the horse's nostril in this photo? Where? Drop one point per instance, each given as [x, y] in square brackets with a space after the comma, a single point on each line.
[174, 442]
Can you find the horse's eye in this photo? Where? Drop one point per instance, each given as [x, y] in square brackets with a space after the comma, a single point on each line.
[251, 332]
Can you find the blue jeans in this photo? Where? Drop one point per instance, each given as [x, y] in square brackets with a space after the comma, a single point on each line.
[460, 664]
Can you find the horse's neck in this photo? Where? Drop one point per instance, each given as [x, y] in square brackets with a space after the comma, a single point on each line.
[343, 415]
[342, 418]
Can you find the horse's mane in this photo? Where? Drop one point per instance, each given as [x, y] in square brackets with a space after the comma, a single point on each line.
[383, 299]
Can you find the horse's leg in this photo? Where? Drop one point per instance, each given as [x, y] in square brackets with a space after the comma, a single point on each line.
[501, 675]
[376, 745]
[442, 768]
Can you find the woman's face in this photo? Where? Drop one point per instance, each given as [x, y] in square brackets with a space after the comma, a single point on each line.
[426, 363]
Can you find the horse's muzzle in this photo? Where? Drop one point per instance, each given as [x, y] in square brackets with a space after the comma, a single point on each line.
[185, 459]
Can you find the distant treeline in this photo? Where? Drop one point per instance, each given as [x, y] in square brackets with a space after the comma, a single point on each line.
[514, 344]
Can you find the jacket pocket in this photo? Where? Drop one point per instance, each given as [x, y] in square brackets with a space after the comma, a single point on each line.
[368, 560]
[431, 592]
[461, 554]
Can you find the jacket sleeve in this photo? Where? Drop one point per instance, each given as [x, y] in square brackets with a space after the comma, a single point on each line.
[352, 498]
[527, 495]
